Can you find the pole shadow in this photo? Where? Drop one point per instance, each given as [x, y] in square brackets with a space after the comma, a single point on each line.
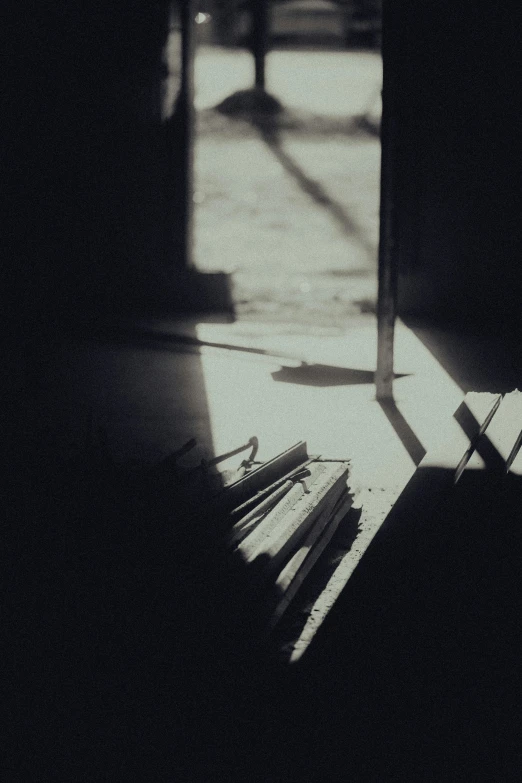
[324, 375]
[404, 431]
[270, 134]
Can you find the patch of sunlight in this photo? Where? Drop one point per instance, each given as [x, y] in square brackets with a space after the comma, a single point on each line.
[337, 422]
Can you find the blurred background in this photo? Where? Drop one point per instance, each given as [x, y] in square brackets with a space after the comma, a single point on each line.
[326, 21]
[292, 219]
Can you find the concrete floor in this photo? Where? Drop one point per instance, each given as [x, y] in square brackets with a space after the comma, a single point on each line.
[207, 708]
[293, 219]
[151, 395]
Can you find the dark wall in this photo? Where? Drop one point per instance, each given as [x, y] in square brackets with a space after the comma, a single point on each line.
[89, 164]
[453, 70]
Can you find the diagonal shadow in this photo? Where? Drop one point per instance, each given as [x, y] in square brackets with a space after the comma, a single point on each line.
[425, 635]
[493, 460]
[309, 374]
[475, 360]
[405, 433]
[270, 135]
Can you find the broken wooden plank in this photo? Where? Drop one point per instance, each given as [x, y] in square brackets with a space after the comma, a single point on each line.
[500, 442]
[302, 562]
[476, 440]
[459, 434]
[515, 466]
[268, 491]
[280, 542]
[511, 489]
[276, 517]
[247, 523]
[263, 476]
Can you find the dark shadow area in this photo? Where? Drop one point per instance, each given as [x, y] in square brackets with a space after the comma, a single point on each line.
[132, 645]
[367, 124]
[478, 357]
[322, 375]
[419, 656]
[406, 435]
[367, 305]
[415, 673]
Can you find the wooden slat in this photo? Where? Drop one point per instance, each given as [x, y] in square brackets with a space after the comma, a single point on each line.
[299, 566]
[279, 515]
[516, 466]
[261, 477]
[457, 434]
[498, 442]
[246, 524]
[260, 496]
[388, 266]
[322, 499]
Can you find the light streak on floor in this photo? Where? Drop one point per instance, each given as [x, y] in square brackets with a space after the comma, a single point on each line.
[338, 422]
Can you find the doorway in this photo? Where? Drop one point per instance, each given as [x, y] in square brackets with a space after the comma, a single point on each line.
[291, 211]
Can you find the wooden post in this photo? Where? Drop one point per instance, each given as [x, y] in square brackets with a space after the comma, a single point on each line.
[186, 116]
[260, 33]
[388, 272]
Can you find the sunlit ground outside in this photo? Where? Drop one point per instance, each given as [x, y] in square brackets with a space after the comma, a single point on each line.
[295, 219]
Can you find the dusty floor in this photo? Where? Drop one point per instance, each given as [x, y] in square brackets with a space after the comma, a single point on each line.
[294, 218]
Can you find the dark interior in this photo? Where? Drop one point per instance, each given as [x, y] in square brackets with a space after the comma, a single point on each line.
[112, 670]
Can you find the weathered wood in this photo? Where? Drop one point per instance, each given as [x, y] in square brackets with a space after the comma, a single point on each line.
[263, 476]
[247, 523]
[299, 566]
[499, 441]
[268, 491]
[388, 261]
[276, 518]
[279, 544]
[242, 529]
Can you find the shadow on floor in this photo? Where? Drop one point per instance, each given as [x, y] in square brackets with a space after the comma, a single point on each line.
[299, 123]
[323, 375]
[405, 433]
[271, 136]
[125, 636]
[475, 357]
[415, 674]
[128, 652]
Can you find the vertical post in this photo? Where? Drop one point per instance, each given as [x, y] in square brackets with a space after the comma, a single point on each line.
[186, 116]
[260, 32]
[388, 272]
